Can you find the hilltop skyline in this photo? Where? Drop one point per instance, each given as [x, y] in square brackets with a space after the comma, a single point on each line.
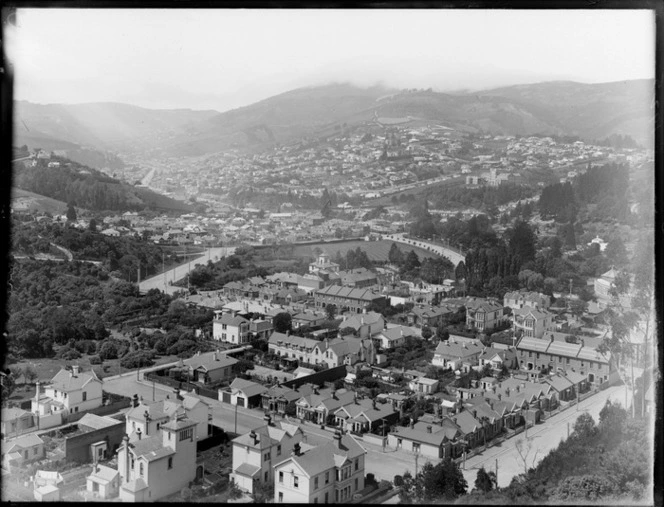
[225, 59]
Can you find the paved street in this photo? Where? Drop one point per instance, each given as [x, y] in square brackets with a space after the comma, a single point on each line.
[387, 463]
[544, 438]
[162, 280]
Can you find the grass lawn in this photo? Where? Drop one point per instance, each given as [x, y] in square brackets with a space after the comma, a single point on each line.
[376, 250]
[47, 368]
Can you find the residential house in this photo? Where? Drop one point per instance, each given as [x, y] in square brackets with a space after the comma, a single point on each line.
[244, 393]
[529, 321]
[364, 415]
[159, 465]
[209, 367]
[255, 453]
[330, 473]
[498, 358]
[323, 263]
[148, 417]
[521, 298]
[483, 315]
[103, 482]
[553, 355]
[309, 319]
[365, 324]
[358, 278]
[431, 316]
[69, 392]
[21, 451]
[16, 421]
[423, 386]
[229, 328]
[604, 284]
[391, 338]
[439, 440]
[280, 400]
[355, 300]
[457, 356]
[319, 405]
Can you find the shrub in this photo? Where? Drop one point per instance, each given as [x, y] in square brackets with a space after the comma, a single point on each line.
[139, 359]
[69, 354]
[108, 350]
[96, 360]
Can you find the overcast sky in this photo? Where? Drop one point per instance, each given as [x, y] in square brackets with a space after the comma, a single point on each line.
[222, 59]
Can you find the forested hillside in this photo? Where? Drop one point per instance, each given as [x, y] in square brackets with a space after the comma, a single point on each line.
[88, 188]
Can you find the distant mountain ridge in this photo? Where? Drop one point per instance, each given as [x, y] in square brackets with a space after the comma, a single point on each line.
[590, 111]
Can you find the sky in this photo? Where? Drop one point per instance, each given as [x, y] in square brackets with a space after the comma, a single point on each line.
[228, 58]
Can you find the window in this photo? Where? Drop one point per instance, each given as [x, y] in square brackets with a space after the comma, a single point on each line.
[281, 497]
[132, 462]
[357, 464]
[326, 497]
[170, 462]
[267, 476]
[355, 483]
[224, 326]
[140, 469]
[266, 456]
[187, 434]
[34, 451]
[281, 477]
[327, 480]
[316, 483]
[416, 447]
[567, 360]
[279, 450]
[538, 355]
[296, 481]
[85, 396]
[530, 354]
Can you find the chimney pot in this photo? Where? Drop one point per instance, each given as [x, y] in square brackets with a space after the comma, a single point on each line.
[139, 433]
[428, 429]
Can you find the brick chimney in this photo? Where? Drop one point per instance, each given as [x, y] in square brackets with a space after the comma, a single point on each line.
[74, 370]
[337, 439]
[253, 436]
[429, 429]
[268, 419]
[296, 449]
[139, 433]
[38, 385]
[134, 401]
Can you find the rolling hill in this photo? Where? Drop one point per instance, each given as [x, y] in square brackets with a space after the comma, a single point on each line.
[590, 111]
[86, 188]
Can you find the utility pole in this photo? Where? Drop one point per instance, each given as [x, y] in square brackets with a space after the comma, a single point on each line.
[163, 269]
[568, 429]
[417, 456]
[496, 472]
[236, 417]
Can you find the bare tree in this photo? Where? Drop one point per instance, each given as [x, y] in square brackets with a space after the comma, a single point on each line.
[524, 449]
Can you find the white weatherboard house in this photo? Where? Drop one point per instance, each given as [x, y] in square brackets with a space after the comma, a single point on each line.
[256, 452]
[69, 392]
[330, 473]
[156, 466]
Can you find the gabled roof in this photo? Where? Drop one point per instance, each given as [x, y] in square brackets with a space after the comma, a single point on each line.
[210, 361]
[453, 349]
[396, 333]
[248, 387]
[326, 457]
[350, 293]
[229, 320]
[65, 380]
[533, 312]
[365, 319]
[104, 474]
[22, 442]
[157, 410]
[97, 422]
